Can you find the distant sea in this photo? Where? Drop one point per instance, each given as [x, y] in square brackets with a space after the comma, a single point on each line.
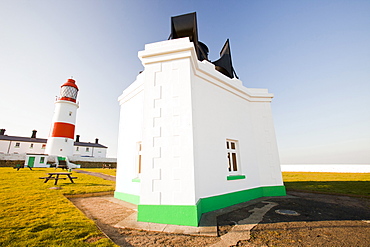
[352, 168]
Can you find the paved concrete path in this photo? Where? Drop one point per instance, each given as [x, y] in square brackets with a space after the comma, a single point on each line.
[97, 174]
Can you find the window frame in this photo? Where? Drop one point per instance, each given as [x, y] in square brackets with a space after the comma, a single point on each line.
[138, 162]
[139, 158]
[233, 157]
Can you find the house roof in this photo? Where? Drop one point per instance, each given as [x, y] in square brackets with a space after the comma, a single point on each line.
[89, 144]
[22, 139]
[42, 140]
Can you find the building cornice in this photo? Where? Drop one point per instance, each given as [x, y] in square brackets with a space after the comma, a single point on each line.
[182, 48]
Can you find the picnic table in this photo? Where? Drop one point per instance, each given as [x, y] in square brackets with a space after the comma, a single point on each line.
[58, 175]
[109, 166]
[21, 166]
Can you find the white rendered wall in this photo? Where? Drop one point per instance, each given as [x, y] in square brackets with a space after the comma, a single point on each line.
[62, 109]
[37, 162]
[99, 152]
[24, 147]
[224, 109]
[4, 146]
[59, 146]
[89, 151]
[130, 133]
[168, 171]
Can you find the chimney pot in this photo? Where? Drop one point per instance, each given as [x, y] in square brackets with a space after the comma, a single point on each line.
[2, 132]
[97, 141]
[77, 138]
[33, 133]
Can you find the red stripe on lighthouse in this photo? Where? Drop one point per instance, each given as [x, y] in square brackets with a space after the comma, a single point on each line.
[66, 130]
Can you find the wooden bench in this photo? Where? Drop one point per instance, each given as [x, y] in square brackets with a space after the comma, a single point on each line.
[55, 176]
[50, 178]
[109, 166]
[18, 166]
[62, 164]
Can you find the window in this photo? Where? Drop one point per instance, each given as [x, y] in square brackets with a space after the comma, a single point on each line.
[232, 155]
[42, 160]
[233, 160]
[43, 146]
[17, 144]
[138, 162]
[31, 146]
[66, 140]
[87, 149]
[70, 113]
[138, 158]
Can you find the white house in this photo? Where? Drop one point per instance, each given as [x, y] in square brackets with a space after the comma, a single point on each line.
[36, 160]
[33, 145]
[192, 140]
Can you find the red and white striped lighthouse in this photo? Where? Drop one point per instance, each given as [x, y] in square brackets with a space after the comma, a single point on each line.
[61, 137]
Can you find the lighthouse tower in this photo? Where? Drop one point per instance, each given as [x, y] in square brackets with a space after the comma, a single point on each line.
[61, 137]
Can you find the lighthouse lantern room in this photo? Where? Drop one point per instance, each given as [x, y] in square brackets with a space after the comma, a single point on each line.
[61, 137]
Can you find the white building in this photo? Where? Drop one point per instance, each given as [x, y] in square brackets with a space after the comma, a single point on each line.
[37, 160]
[32, 145]
[192, 140]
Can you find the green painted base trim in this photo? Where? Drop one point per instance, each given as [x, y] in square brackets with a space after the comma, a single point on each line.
[186, 215]
[189, 215]
[136, 180]
[222, 201]
[235, 177]
[134, 199]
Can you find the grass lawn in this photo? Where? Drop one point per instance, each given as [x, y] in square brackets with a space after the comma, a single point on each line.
[34, 215]
[357, 184]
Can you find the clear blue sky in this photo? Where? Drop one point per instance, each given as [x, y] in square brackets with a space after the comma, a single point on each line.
[314, 56]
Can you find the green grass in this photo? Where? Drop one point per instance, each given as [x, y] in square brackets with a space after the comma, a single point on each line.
[356, 184]
[33, 215]
[111, 172]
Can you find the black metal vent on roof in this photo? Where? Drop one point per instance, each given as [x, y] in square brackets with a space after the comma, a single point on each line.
[186, 26]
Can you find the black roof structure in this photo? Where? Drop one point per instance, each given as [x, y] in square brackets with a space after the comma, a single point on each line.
[186, 26]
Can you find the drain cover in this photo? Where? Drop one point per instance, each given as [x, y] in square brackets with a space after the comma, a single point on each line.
[287, 212]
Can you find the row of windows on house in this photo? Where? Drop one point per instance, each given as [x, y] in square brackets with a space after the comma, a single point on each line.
[18, 145]
[231, 150]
